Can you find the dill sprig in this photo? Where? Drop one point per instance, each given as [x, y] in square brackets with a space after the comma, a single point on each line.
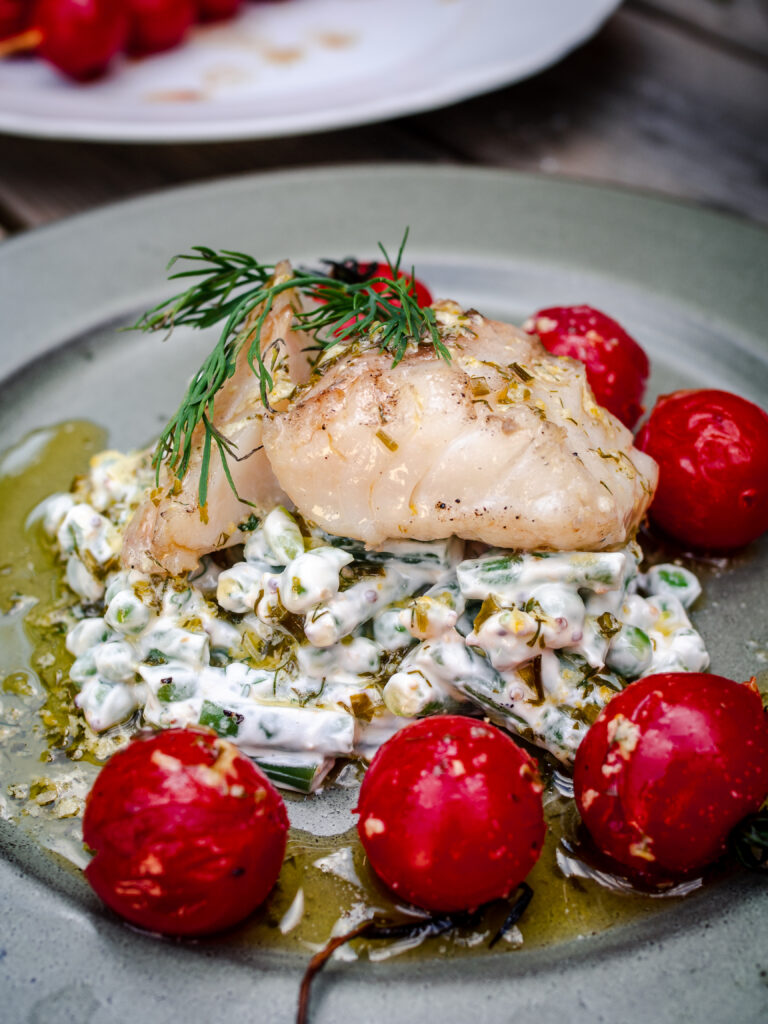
[229, 286]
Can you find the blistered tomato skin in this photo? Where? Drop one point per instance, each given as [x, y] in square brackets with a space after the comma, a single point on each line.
[617, 367]
[451, 813]
[14, 16]
[712, 450]
[189, 836]
[669, 767]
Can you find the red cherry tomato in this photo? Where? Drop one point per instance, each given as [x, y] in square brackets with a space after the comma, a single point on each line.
[157, 25]
[189, 835]
[217, 10]
[80, 37]
[712, 451]
[617, 368]
[14, 16]
[451, 813]
[669, 767]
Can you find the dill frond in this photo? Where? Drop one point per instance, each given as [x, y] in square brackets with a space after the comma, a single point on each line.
[229, 286]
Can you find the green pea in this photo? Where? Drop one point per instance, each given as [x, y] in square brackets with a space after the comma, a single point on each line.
[630, 652]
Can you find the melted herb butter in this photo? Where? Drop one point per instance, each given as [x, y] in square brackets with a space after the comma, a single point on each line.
[49, 757]
[47, 753]
[562, 909]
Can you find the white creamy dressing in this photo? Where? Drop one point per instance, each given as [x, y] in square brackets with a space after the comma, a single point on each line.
[310, 647]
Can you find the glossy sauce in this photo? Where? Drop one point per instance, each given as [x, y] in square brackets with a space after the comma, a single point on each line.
[49, 758]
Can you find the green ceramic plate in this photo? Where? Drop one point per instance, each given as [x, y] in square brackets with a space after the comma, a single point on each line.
[688, 283]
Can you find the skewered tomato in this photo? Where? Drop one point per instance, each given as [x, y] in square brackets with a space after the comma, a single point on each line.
[217, 10]
[157, 25]
[80, 37]
[189, 835]
[451, 813]
[669, 767]
[617, 368]
[14, 15]
[712, 451]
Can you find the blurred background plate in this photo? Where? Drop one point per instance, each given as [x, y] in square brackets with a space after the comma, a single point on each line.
[284, 68]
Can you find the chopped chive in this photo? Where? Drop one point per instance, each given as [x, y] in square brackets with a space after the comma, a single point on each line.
[387, 441]
[170, 691]
[222, 721]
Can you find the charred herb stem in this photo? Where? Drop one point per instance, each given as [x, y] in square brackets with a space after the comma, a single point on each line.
[749, 841]
[317, 963]
[427, 927]
[517, 910]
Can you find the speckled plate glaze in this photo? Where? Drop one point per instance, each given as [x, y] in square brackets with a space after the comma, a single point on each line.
[688, 283]
[284, 68]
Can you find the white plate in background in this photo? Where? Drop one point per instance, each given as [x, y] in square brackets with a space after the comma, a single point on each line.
[286, 67]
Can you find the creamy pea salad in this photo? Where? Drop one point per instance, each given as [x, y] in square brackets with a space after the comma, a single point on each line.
[304, 648]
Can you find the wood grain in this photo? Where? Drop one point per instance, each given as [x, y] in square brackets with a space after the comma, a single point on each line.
[670, 96]
[742, 22]
[42, 180]
[643, 104]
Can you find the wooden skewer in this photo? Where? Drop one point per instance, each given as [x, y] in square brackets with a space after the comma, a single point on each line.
[21, 43]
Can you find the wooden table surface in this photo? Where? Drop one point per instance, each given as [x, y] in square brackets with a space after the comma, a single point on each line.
[671, 96]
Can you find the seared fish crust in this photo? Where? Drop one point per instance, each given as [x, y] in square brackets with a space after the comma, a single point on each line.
[505, 445]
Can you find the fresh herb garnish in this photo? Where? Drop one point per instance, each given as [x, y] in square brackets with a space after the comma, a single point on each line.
[229, 287]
